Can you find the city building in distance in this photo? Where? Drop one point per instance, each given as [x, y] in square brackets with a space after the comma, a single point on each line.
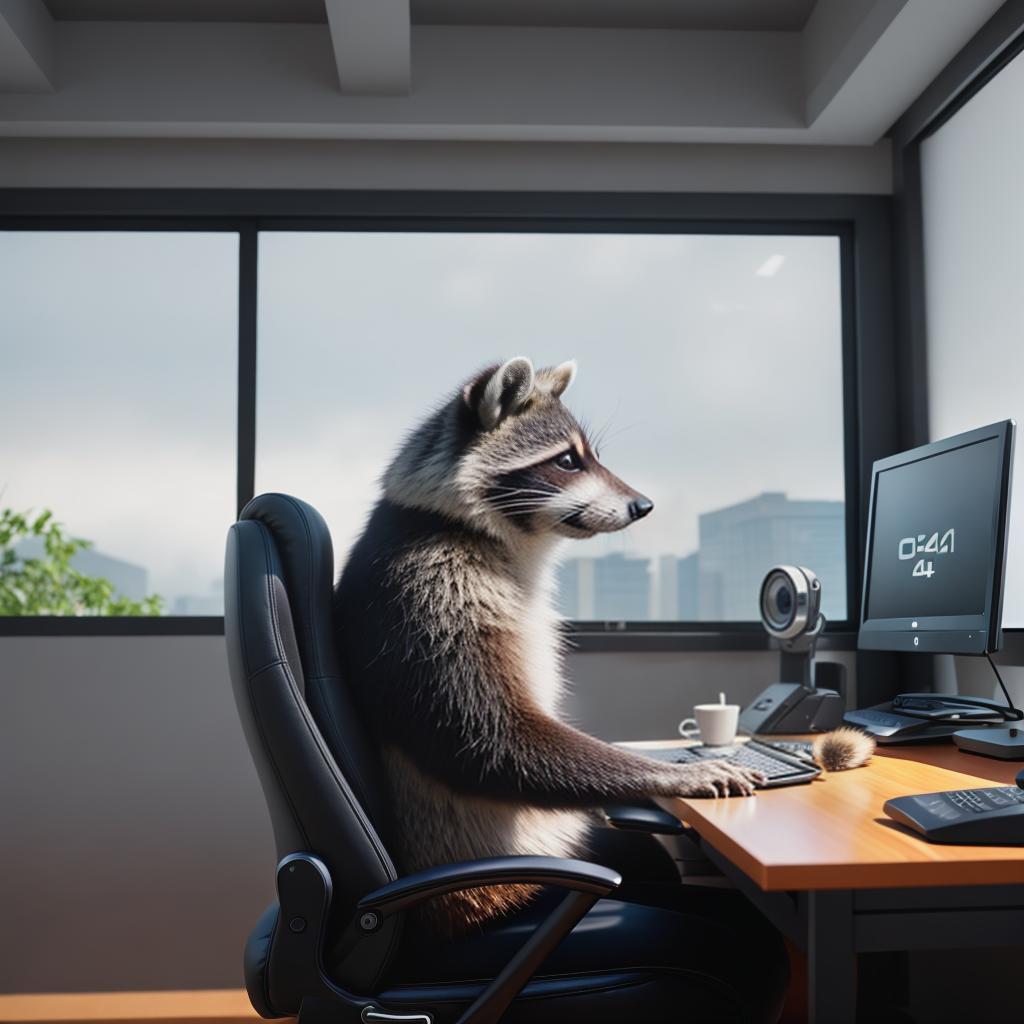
[610, 588]
[740, 543]
[721, 580]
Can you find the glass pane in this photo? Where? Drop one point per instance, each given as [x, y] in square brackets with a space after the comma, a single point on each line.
[973, 220]
[120, 370]
[709, 367]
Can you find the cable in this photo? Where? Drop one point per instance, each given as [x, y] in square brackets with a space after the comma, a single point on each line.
[1002, 685]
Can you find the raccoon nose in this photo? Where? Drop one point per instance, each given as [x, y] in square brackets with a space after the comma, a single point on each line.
[639, 507]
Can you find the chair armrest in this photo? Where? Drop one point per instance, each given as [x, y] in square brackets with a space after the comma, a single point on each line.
[407, 892]
[642, 817]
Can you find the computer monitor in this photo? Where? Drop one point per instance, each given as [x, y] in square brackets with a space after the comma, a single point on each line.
[936, 546]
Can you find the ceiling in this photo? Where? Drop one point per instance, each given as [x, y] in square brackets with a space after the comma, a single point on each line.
[691, 15]
[783, 72]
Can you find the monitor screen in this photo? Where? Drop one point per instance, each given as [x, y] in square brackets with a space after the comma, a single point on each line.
[935, 550]
[932, 547]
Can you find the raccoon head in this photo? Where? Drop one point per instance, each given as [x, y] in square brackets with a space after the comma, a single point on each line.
[506, 456]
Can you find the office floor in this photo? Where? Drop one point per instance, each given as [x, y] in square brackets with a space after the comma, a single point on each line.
[212, 1006]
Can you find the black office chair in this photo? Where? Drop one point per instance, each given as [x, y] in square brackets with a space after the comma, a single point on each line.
[339, 944]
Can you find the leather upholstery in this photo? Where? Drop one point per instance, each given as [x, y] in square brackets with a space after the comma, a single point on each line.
[325, 792]
[661, 949]
[304, 548]
[312, 805]
[625, 961]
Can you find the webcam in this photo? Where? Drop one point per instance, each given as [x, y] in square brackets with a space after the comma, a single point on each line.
[791, 604]
[791, 613]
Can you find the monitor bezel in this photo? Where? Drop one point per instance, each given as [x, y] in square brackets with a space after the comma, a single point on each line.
[945, 634]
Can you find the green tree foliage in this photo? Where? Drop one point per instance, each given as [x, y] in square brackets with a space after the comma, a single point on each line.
[50, 585]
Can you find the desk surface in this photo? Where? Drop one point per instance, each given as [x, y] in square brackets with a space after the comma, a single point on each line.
[833, 834]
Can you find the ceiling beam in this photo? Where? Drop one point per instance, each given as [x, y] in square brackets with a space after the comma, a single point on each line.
[866, 61]
[371, 46]
[838, 36]
[26, 47]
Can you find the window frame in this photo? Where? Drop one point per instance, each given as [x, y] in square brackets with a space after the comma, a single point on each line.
[998, 42]
[873, 387]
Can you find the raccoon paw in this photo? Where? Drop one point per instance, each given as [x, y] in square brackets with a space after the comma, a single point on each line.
[717, 778]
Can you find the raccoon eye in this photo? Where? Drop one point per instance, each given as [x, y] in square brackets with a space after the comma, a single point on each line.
[569, 461]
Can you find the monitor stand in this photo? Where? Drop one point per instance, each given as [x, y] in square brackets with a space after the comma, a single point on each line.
[1004, 742]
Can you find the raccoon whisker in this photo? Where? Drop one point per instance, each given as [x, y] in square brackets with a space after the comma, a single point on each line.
[602, 433]
[519, 487]
[511, 491]
[510, 513]
[497, 499]
[574, 511]
[517, 502]
[519, 508]
[622, 430]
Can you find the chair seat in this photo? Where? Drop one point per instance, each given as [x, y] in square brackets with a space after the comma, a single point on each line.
[665, 953]
[668, 953]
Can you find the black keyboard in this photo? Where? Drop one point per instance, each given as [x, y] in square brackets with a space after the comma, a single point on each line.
[780, 768]
[797, 748]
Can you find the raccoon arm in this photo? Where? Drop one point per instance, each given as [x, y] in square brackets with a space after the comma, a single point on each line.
[548, 762]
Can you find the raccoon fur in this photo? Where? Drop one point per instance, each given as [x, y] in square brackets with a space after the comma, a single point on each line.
[449, 640]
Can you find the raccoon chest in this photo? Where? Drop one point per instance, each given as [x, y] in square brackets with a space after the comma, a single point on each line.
[541, 646]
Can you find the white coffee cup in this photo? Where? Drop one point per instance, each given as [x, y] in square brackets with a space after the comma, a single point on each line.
[715, 723]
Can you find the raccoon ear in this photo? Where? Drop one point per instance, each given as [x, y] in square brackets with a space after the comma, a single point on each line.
[559, 378]
[500, 392]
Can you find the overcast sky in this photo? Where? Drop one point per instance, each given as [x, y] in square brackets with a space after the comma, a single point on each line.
[712, 362]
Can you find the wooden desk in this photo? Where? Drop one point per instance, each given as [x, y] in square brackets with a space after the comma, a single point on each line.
[839, 877]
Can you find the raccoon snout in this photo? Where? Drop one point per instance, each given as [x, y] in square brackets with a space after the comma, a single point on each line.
[639, 507]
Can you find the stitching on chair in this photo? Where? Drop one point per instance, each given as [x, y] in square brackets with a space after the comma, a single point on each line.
[329, 763]
[351, 768]
[319, 671]
[350, 765]
[250, 677]
[271, 597]
[314, 734]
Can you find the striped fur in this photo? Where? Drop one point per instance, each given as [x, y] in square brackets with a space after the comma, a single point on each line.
[448, 636]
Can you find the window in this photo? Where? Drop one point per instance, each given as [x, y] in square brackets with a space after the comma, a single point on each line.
[119, 410]
[973, 262]
[710, 365]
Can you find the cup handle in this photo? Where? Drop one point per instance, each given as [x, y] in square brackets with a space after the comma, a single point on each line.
[685, 727]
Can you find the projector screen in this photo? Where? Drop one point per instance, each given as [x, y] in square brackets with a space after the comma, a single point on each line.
[972, 173]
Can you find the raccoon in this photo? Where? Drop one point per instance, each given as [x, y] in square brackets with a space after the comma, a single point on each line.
[448, 636]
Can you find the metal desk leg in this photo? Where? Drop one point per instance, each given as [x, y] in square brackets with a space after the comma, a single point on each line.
[831, 961]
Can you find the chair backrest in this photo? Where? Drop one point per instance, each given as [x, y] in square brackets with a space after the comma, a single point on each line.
[323, 785]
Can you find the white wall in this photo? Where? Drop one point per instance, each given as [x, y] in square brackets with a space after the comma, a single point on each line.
[972, 170]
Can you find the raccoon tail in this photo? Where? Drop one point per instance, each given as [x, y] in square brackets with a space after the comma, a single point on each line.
[843, 748]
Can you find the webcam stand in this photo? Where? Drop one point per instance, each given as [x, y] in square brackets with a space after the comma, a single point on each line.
[795, 705]
[796, 656]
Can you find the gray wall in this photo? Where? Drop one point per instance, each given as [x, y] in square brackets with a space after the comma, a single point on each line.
[577, 167]
[135, 843]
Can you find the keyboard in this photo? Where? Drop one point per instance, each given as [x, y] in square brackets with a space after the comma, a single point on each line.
[797, 748]
[990, 816]
[779, 767]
